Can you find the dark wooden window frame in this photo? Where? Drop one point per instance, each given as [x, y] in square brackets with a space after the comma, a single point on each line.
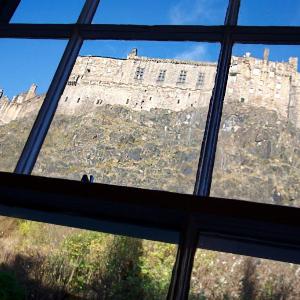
[191, 221]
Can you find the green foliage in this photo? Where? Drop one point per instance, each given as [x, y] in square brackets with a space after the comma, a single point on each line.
[122, 277]
[117, 267]
[156, 266]
[9, 287]
[78, 252]
[28, 228]
[276, 288]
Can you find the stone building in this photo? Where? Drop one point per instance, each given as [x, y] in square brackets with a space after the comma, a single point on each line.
[142, 83]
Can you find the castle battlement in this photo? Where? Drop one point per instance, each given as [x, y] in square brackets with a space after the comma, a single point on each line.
[142, 83]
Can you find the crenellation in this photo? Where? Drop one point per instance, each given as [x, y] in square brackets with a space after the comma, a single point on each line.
[143, 83]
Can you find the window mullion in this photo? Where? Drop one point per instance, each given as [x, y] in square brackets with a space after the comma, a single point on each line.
[210, 139]
[43, 121]
[180, 283]
[7, 10]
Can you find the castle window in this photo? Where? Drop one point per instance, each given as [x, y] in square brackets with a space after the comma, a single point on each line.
[182, 76]
[127, 101]
[66, 99]
[200, 80]
[139, 73]
[178, 101]
[78, 100]
[162, 75]
[97, 102]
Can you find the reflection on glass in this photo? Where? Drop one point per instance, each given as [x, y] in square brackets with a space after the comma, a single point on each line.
[218, 275]
[258, 156]
[182, 12]
[54, 11]
[275, 12]
[62, 262]
[135, 120]
[26, 71]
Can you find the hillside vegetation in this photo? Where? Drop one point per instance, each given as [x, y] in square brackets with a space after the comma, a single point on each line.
[258, 159]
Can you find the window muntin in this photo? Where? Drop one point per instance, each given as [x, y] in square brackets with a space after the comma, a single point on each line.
[274, 32]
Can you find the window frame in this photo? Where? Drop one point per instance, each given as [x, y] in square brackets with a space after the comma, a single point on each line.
[202, 221]
[200, 79]
[182, 77]
[161, 75]
[139, 73]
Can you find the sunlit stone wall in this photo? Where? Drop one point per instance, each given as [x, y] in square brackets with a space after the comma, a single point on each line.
[97, 81]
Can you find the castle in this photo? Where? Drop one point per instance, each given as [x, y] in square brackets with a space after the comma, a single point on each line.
[143, 83]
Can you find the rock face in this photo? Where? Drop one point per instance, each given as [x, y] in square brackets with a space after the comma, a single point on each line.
[258, 156]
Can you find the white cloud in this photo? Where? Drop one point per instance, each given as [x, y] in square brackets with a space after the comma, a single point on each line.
[198, 52]
[189, 11]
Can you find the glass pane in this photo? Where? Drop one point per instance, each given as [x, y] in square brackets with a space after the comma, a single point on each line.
[275, 12]
[258, 156]
[133, 117]
[182, 12]
[27, 67]
[54, 11]
[218, 275]
[43, 261]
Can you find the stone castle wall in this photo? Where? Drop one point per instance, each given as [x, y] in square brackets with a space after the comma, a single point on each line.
[137, 82]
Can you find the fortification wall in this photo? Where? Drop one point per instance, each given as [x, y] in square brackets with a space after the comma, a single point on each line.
[264, 83]
[101, 81]
[142, 83]
[20, 106]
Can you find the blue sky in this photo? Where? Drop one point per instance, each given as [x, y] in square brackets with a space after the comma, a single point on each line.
[23, 62]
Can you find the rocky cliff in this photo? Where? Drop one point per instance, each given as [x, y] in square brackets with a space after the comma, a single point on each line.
[258, 155]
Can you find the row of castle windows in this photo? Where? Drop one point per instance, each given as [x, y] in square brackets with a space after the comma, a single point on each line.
[127, 101]
[139, 74]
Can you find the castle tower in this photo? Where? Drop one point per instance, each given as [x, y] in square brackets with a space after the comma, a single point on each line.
[266, 54]
[31, 92]
[293, 61]
[132, 53]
